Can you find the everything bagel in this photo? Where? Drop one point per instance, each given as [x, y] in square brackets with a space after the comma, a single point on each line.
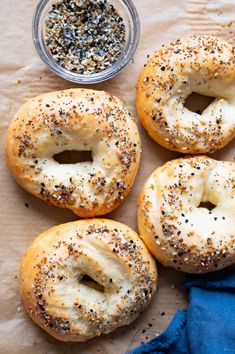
[82, 120]
[178, 230]
[199, 64]
[81, 279]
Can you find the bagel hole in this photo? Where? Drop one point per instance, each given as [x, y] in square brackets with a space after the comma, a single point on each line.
[208, 205]
[91, 283]
[197, 103]
[73, 157]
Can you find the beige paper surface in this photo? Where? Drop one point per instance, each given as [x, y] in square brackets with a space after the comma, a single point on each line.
[23, 76]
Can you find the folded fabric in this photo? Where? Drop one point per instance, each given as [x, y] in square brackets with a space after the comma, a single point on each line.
[207, 327]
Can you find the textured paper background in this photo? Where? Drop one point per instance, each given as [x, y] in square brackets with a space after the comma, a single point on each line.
[23, 76]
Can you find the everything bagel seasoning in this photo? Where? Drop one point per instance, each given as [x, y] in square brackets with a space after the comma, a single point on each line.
[85, 36]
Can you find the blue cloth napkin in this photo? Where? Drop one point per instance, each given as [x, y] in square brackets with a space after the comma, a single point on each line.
[207, 327]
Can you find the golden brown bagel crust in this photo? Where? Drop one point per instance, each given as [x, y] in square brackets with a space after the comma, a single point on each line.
[69, 307]
[202, 64]
[77, 119]
[178, 230]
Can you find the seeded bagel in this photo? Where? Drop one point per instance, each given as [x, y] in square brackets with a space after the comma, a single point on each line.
[81, 279]
[82, 120]
[177, 226]
[197, 64]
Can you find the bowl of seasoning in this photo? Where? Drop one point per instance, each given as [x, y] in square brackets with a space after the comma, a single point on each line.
[86, 41]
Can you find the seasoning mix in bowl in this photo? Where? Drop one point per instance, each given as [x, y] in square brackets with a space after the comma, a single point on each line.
[86, 41]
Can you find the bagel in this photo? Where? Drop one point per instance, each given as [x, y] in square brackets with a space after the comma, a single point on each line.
[88, 277]
[82, 120]
[178, 229]
[198, 64]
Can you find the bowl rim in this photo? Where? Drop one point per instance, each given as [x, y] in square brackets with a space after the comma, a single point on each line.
[101, 76]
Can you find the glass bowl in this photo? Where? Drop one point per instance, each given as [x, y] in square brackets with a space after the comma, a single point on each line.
[130, 17]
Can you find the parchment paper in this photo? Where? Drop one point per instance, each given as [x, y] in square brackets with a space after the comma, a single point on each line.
[23, 76]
